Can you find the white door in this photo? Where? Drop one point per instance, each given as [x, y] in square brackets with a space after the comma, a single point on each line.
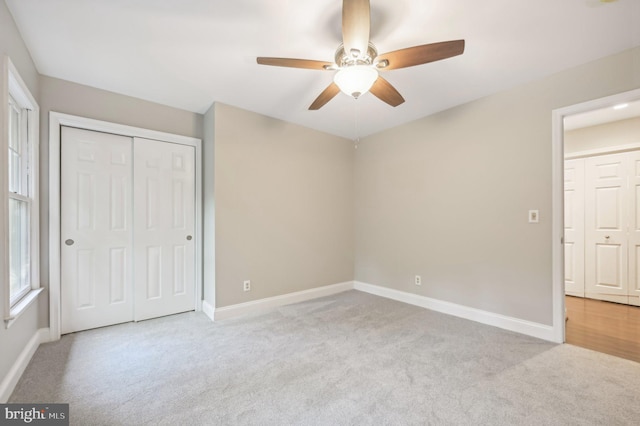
[634, 228]
[606, 224]
[128, 221]
[574, 227]
[164, 225]
[96, 219]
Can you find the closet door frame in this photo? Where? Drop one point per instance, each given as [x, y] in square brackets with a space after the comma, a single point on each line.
[56, 121]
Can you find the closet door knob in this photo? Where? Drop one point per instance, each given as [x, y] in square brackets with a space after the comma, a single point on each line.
[189, 237]
[69, 242]
[607, 237]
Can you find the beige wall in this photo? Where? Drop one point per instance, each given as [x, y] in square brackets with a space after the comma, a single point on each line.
[446, 197]
[14, 339]
[617, 133]
[284, 216]
[77, 99]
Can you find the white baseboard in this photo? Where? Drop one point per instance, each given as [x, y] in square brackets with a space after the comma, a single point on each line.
[276, 301]
[15, 372]
[529, 328]
[541, 331]
[208, 310]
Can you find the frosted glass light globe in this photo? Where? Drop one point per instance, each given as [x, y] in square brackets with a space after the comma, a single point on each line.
[356, 79]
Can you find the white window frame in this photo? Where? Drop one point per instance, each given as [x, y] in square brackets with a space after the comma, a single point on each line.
[14, 88]
[23, 192]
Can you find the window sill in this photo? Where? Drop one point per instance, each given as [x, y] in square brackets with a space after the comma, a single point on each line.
[21, 306]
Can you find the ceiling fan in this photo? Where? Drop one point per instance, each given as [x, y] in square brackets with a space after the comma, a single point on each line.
[357, 61]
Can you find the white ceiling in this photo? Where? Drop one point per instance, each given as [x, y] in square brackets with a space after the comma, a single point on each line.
[190, 53]
[602, 116]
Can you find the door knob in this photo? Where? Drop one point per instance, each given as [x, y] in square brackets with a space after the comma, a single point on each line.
[69, 242]
[189, 237]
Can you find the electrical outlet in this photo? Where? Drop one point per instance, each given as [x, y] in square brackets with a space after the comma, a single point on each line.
[418, 280]
[246, 285]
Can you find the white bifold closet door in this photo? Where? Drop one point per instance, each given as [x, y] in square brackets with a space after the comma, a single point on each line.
[127, 226]
[612, 227]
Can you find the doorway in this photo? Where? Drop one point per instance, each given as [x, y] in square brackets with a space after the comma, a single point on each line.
[584, 265]
[154, 267]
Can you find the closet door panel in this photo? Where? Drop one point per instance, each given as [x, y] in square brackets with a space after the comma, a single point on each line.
[96, 269]
[164, 226]
[634, 228]
[606, 225]
[574, 227]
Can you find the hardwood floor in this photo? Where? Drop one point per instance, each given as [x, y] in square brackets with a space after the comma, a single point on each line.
[606, 327]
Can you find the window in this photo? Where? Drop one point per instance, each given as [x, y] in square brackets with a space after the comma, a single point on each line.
[21, 188]
[19, 202]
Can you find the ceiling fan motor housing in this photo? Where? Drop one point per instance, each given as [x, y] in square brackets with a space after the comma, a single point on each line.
[344, 59]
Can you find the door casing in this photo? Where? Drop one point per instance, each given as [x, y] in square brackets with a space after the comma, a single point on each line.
[557, 198]
[56, 121]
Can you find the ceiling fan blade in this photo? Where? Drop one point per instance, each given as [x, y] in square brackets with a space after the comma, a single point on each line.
[423, 54]
[384, 91]
[326, 95]
[295, 63]
[356, 22]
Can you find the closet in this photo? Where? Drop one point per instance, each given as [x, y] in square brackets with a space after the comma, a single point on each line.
[602, 227]
[127, 227]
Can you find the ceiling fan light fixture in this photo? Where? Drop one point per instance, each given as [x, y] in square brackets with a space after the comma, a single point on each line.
[356, 80]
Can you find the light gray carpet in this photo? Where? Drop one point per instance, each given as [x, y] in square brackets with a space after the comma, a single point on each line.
[349, 359]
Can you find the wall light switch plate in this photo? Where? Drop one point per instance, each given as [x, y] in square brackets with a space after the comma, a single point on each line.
[534, 216]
